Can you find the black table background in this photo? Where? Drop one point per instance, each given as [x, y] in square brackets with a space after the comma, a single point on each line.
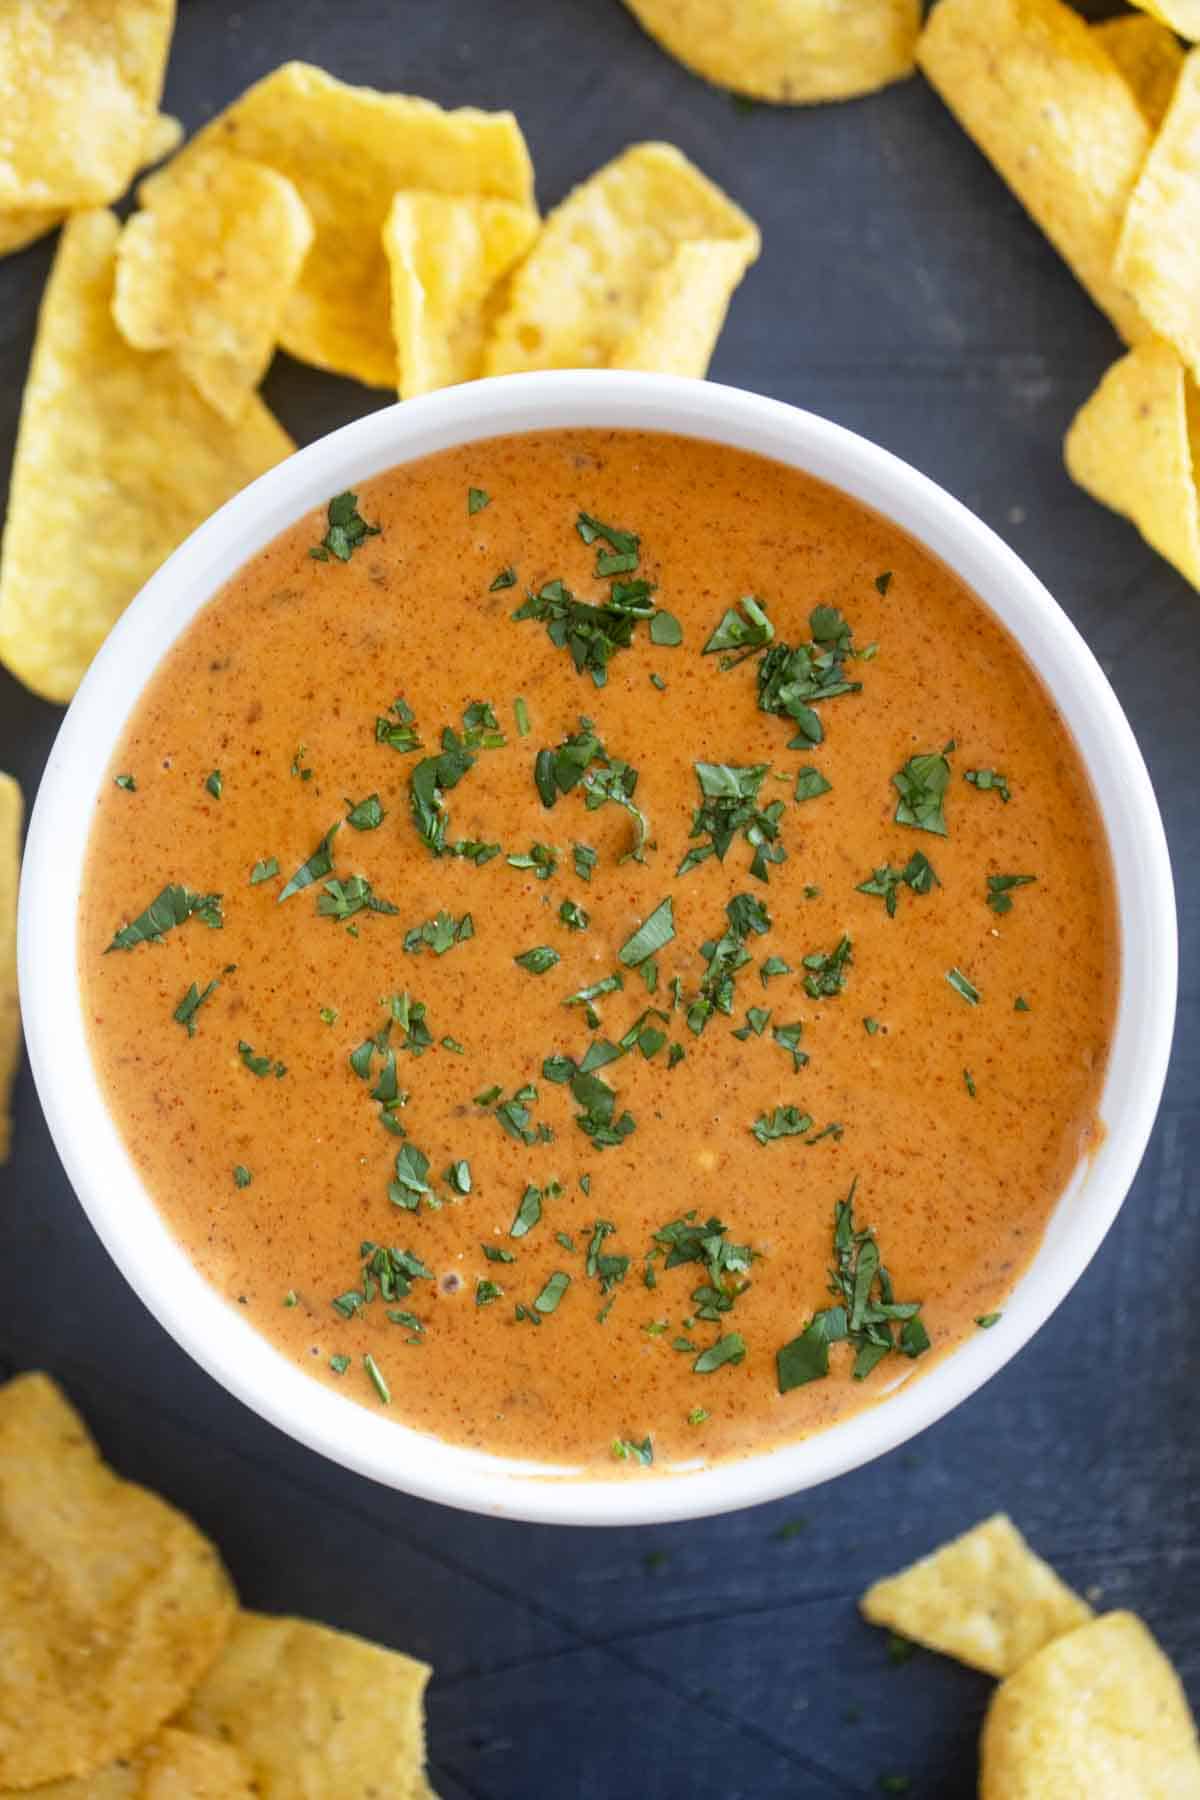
[903, 293]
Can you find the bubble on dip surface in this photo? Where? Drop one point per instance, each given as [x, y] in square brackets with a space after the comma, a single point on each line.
[530, 1097]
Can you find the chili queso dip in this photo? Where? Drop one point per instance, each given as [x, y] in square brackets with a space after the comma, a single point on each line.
[601, 945]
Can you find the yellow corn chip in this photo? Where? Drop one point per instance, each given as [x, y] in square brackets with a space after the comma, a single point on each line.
[117, 460]
[1048, 107]
[80, 81]
[584, 289]
[112, 1604]
[207, 270]
[1182, 15]
[685, 307]
[12, 809]
[1148, 56]
[1130, 446]
[348, 151]
[1099, 1712]
[447, 254]
[24, 225]
[790, 51]
[1158, 255]
[984, 1598]
[175, 1765]
[317, 1714]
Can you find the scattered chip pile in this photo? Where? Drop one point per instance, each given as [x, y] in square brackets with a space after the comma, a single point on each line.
[127, 1670]
[1097, 131]
[1085, 1705]
[375, 235]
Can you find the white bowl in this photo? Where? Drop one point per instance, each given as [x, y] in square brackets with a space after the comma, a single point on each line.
[124, 1213]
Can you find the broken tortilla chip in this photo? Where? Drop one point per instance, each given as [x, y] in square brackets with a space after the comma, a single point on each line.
[174, 1765]
[684, 308]
[1098, 1712]
[793, 52]
[1182, 16]
[12, 810]
[984, 1598]
[1148, 56]
[348, 150]
[1047, 105]
[447, 253]
[81, 82]
[207, 269]
[117, 459]
[316, 1713]
[1158, 255]
[1135, 445]
[21, 226]
[112, 1604]
[584, 289]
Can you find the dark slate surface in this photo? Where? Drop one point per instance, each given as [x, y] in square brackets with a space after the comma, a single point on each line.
[902, 292]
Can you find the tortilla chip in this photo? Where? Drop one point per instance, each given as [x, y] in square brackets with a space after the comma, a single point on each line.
[318, 1714]
[117, 460]
[1182, 15]
[172, 1766]
[12, 811]
[1148, 56]
[685, 307]
[1047, 105]
[22, 226]
[80, 82]
[1098, 1712]
[1135, 446]
[984, 1598]
[446, 255]
[112, 1604]
[207, 270]
[1158, 256]
[791, 51]
[594, 273]
[348, 151]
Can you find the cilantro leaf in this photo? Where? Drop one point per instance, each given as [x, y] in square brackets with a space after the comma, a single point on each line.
[171, 907]
[347, 532]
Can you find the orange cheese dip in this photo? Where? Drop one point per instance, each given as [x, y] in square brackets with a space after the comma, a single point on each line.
[955, 1047]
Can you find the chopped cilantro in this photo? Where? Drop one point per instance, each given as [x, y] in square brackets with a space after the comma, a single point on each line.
[788, 1038]
[439, 934]
[725, 957]
[969, 1082]
[241, 1175]
[626, 1450]
[368, 815]
[989, 781]
[743, 629]
[505, 579]
[792, 681]
[398, 732]
[985, 1321]
[189, 1006]
[477, 499]
[665, 630]
[259, 1065]
[377, 1380]
[521, 715]
[810, 783]
[127, 782]
[315, 868]
[883, 582]
[921, 785]
[772, 966]
[827, 971]
[339, 1364]
[171, 907]
[867, 1316]
[541, 858]
[785, 1121]
[538, 960]
[1021, 1004]
[573, 916]
[263, 871]
[917, 875]
[728, 1349]
[697, 1416]
[651, 936]
[557, 1285]
[961, 985]
[729, 804]
[215, 784]
[1000, 890]
[487, 1291]
[347, 532]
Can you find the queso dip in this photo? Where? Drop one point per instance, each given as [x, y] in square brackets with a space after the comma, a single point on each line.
[602, 947]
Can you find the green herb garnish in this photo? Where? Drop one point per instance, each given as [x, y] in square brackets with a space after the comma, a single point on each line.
[505, 579]
[961, 985]
[627, 1450]
[969, 1082]
[917, 875]
[985, 1321]
[810, 783]
[521, 716]
[730, 1349]
[729, 804]
[547, 1301]
[868, 1315]
[377, 1380]
[665, 630]
[241, 1175]
[368, 815]
[259, 1065]
[171, 907]
[827, 971]
[347, 532]
[541, 858]
[315, 868]
[743, 629]
[189, 1006]
[1000, 889]
[263, 871]
[215, 784]
[477, 499]
[792, 681]
[650, 937]
[989, 781]
[398, 732]
[127, 782]
[538, 960]
[784, 1122]
[487, 1291]
[921, 785]
[725, 957]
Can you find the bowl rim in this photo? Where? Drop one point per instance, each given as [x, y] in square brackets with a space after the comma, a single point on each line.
[105, 1181]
